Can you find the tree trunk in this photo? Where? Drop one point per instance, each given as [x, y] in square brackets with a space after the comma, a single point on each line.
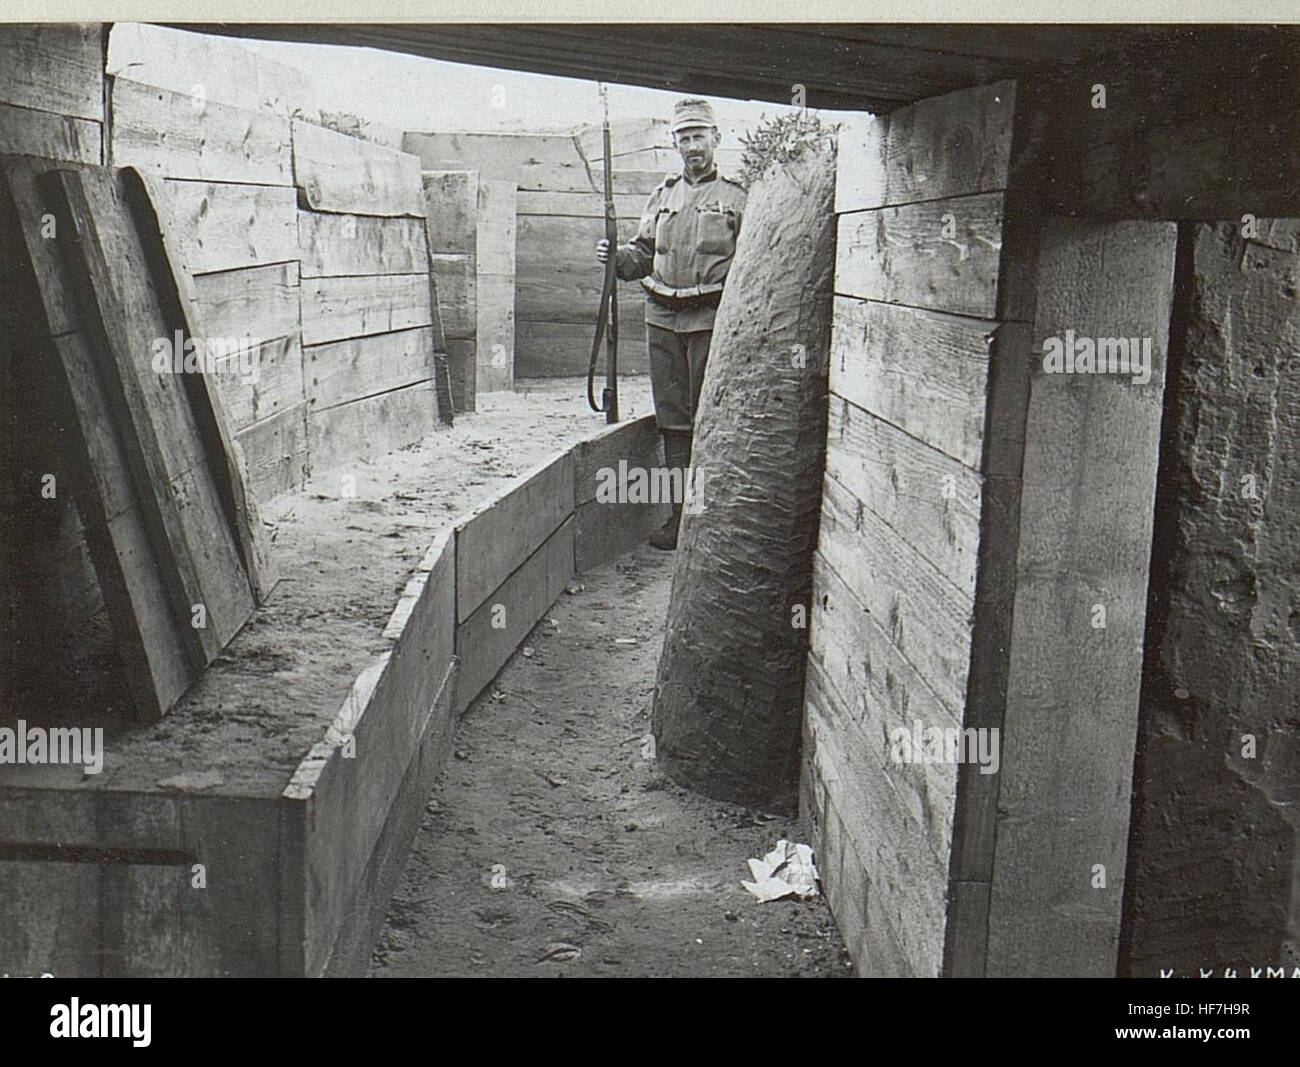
[729, 693]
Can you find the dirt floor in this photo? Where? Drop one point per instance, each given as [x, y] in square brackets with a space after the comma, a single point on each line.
[552, 847]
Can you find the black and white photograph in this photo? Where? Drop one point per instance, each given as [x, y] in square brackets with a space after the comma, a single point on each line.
[651, 498]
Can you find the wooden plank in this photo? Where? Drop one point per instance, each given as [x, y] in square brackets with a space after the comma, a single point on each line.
[495, 237]
[928, 620]
[1090, 458]
[928, 499]
[275, 384]
[337, 308]
[363, 366]
[56, 68]
[275, 450]
[498, 153]
[895, 858]
[49, 136]
[342, 436]
[451, 205]
[562, 349]
[574, 297]
[382, 722]
[508, 529]
[950, 145]
[212, 419]
[50, 923]
[525, 595]
[456, 282]
[358, 244]
[223, 69]
[860, 163]
[924, 372]
[556, 242]
[191, 517]
[344, 174]
[222, 226]
[638, 442]
[165, 134]
[603, 532]
[900, 255]
[494, 331]
[257, 303]
[461, 360]
[575, 177]
[578, 205]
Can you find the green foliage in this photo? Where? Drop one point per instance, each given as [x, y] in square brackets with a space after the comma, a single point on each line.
[779, 140]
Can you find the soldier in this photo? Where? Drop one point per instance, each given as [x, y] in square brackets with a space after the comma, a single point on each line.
[681, 254]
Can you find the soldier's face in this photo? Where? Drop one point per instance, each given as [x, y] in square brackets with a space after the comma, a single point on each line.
[696, 145]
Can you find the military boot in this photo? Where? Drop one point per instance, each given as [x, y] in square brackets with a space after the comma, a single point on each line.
[677, 456]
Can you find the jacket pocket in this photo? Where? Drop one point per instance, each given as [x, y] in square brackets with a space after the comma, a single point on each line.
[716, 232]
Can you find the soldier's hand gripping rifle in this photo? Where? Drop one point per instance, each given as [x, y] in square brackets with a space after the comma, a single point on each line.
[607, 318]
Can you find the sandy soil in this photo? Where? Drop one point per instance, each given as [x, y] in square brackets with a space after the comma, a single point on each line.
[552, 847]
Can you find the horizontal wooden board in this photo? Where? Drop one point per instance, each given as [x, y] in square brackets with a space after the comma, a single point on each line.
[638, 442]
[525, 596]
[563, 349]
[165, 134]
[359, 244]
[275, 450]
[336, 308]
[457, 284]
[575, 177]
[547, 243]
[256, 302]
[345, 174]
[887, 840]
[451, 203]
[57, 68]
[900, 255]
[224, 226]
[49, 136]
[508, 529]
[603, 532]
[501, 154]
[352, 433]
[224, 68]
[951, 145]
[578, 205]
[274, 382]
[927, 618]
[924, 372]
[363, 366]
[928, 499]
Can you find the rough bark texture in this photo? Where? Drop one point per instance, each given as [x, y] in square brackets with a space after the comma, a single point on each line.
[729, 693]
[1214, 878]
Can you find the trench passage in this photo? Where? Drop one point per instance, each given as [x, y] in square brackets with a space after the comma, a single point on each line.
[603, 866]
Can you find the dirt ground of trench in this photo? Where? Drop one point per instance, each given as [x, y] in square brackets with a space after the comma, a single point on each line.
[552, 847]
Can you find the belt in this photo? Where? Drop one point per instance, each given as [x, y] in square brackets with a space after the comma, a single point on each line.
[708, 294]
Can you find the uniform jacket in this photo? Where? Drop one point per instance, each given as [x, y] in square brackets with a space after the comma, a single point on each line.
[684, 246]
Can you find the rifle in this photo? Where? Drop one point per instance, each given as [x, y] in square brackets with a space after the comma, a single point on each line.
[607, 317]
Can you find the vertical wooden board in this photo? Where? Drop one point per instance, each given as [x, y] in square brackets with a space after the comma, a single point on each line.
[365, 366]
[457, 286]
[337, 308]
[359, 244]
[924, 372]
[462, 359]
[49, 136]
[928, 499]
[928, 620]
[495, 237]
[169, 135]
[50, 920]
[1091, 449]
[260, 303]
[224, 68]
[54, 67]
[345, 174]
[351, 433]
[451, 205]
[221, 226]
[899, 255]
[276, 451]
[508, 529]
[264, 383]
[525, 596]
[860, 163]
[495, 331]
[951, 145]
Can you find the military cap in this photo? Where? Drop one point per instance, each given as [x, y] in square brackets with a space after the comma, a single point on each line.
[692, 112]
